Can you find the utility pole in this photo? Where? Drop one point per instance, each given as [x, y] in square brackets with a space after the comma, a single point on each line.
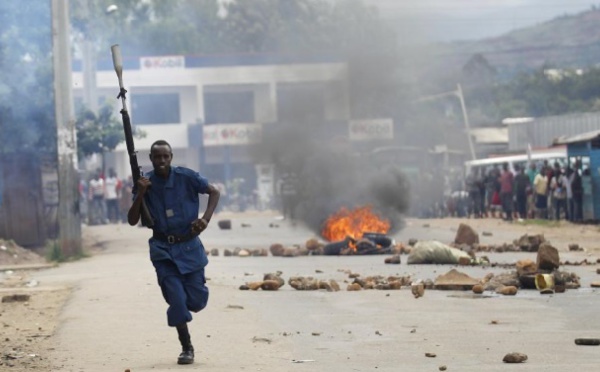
[90, 97]
[457, 93]
[69, 219]
[460, 95]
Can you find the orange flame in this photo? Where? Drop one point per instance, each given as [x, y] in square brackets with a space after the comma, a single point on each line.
[353, 223]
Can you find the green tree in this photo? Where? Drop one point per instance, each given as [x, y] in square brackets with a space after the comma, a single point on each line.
[99, 133]
[148, 27]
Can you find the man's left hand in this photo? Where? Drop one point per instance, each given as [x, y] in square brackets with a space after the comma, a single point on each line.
[199, 225]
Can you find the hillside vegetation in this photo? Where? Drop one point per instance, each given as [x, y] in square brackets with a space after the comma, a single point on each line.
[571, 41]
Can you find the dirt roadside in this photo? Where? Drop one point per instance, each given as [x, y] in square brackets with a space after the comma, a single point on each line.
[29, 310]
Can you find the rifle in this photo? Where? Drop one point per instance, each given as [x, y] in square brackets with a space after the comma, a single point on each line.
[136, 170]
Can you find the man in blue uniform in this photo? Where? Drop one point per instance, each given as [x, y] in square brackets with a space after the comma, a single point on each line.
[171, 194]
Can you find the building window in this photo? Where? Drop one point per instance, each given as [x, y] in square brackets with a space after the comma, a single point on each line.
[159, 108]
[229, 107]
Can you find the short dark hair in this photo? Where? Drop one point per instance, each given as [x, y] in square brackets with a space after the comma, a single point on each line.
[160, 143]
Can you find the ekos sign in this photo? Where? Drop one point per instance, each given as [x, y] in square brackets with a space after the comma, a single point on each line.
[362, 130]
[232, 134]
[163, 62]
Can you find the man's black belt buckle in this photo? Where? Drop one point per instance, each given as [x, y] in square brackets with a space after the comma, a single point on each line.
[173, 239]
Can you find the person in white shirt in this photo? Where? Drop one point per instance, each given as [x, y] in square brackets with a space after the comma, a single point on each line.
[97, 209]
[111, 196]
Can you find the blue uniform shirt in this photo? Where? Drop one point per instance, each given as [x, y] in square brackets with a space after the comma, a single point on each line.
[174, 204]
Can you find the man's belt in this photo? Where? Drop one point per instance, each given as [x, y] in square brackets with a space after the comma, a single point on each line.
[172, 239]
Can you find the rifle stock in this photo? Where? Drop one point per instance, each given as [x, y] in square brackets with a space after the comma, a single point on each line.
[136, 171]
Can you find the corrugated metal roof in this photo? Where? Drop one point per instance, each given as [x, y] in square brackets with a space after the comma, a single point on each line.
[583, 137]
[542, 132]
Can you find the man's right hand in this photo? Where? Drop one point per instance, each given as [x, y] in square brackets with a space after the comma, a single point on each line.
[143, 184]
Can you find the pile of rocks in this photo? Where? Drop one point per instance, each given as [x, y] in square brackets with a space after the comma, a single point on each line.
[270, 282]
[378, 282]
[274, 281]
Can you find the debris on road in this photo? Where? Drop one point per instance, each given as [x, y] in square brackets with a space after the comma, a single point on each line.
[466, 235]
[430, 355]
[434, 252]
[530, 243]
[393, 260]
[574, 247]
[301, 283]
[507, 290]
[271, 282]
[514, 358]
[418, 289]
[455, 280]
[277, 249]
[587, 341]
[261, 339]
[477, 288]
[547, 257]
[224, 224]
[15, 298]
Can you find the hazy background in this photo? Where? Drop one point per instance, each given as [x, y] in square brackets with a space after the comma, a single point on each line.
[449, 20]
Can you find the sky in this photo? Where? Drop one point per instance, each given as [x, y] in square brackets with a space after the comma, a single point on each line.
[451, 20]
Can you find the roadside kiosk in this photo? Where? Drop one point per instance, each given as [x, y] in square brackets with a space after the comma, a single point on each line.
[585, 149]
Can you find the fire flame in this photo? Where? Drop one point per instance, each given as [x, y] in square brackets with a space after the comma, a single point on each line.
[353, 223]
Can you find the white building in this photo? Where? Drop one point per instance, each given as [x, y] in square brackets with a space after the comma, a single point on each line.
[212, 109]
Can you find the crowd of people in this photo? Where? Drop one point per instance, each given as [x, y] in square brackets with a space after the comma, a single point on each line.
[538, 191]
[105, 198]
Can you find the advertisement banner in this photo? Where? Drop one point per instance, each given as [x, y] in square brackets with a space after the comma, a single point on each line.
[374, 129]
[232, 134]
[163, 62]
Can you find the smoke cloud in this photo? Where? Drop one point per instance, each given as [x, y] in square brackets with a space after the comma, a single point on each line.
[333, 174]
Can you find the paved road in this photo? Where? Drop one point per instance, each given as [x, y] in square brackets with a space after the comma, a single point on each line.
[116, 318]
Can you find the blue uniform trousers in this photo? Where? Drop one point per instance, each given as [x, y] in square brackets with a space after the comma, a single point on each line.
[183, 292]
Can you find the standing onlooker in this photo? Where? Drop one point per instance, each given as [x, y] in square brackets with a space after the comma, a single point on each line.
[540, 187]
[112, 190]
[288, 189]
[577, 189]
[531, 173]
[492, 189]
[83, 200]
[506, 192]
[97, 211]
[569, 179]
[125, 198]
[559, 193]
[522, 186]
[472, 185]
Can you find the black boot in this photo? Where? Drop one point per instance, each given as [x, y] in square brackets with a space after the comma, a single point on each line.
[186, 356]
[187, 353]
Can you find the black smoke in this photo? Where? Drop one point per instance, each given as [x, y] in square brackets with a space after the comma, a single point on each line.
[334, 173]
